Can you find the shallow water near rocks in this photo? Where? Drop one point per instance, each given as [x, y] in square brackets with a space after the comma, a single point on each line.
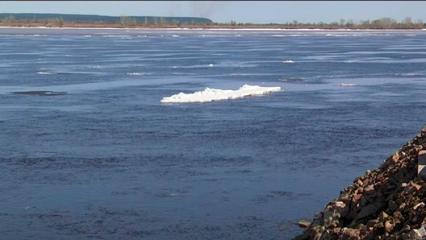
[107, 160]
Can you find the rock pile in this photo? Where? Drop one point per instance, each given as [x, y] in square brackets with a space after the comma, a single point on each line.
[386, 203]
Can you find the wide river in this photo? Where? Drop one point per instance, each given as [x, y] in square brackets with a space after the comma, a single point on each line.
[100, 157]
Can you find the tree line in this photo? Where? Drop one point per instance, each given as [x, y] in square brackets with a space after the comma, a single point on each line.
[382, 23]
[55, 20]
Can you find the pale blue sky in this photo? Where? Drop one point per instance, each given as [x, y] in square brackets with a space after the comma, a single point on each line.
[259, 12]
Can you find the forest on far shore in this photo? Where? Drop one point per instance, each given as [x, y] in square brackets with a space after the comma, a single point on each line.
[77, 20]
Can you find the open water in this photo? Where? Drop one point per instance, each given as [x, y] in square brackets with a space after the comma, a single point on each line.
[88, 151]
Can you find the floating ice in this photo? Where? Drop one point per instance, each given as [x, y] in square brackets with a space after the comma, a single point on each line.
[212, 94]
[94, 66]
[194, 66]
[45, 73]
[347, 84]
[135, 74]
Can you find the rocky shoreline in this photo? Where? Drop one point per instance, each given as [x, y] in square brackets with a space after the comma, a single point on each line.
[385, 203]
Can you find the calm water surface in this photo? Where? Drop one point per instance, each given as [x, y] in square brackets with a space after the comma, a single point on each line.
[106, 160]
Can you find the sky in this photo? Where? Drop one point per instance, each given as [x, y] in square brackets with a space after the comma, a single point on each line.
[226, 11]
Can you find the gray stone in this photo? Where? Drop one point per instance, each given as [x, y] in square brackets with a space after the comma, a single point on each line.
[369, 210]
[418, 234]
[421, 164]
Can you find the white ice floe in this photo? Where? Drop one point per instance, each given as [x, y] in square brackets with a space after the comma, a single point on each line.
[135, 74]
[288, 61]
[193, 66]
[212, 94]
[347, 84]
[45, 73]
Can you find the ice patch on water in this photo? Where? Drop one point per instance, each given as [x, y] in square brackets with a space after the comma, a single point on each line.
[235, 64]
[347, 84]
[45, 73]
[93, 67]
[411, 74]
[350, 61]
[244, 74]
[193, 66]
[135, 74]
[292, 80]
[212, 94]
[288, 61]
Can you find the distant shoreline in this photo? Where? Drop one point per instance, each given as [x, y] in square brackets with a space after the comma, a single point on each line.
[199, 23]
[216, 28]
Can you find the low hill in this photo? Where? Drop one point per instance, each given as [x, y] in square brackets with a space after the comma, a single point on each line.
[78, 18]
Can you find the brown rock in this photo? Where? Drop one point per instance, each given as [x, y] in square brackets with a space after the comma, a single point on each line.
[350, 234]
[303, 223]
[395, 157]
[369, 188]
[389, 226]
[334, 212]
[416, 186]
[422, 204]
[418, 234]
[383, 216]
[356, 197]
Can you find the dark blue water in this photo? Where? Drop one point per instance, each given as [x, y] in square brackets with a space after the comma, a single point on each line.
[105, 160]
